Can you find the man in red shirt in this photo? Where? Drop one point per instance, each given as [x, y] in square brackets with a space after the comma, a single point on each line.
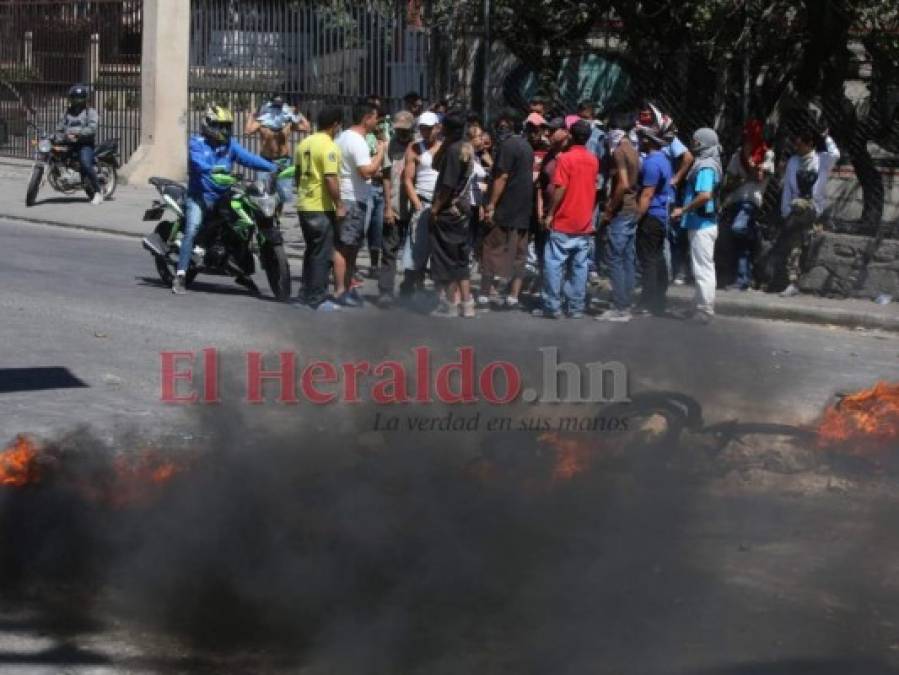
[570, 225]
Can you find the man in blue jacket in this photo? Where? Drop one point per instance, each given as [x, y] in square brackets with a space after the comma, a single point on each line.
[213, 151]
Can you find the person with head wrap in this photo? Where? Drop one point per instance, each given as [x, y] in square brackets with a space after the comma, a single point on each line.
[745, 183]
[652, 220]
[699, 218]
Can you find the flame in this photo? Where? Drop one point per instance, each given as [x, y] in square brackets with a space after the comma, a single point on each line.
[870, 416]
[18, 463]
[574, 455]
[136, 478]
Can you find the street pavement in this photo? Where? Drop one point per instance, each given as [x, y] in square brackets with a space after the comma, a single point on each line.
[658, 563]
[123, 216]
[92, 304]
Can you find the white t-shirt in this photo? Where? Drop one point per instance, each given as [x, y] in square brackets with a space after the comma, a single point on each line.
[354, 154]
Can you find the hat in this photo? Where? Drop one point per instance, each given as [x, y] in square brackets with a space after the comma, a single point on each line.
[570, 120]
[428, 119]
[403, 120]
[536, 120]
[653, 133]
[556, 123]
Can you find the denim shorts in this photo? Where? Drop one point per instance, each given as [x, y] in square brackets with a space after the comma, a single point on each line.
[351, 228]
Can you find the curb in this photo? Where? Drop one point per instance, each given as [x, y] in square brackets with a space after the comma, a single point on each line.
[846, 318]
[99, 229]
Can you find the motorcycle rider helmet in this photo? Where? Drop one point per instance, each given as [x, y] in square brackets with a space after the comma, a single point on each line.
[77, 96]
[218, 123]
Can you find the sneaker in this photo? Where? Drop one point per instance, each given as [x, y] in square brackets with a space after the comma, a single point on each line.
[347, 300]
[703, 318]
[97, 199]
[790, 291]
[576, 315]
[469, 309]
[616, 316]
[385, 301]
[179, 285]
[356, 296]
[680, 280]
[328, 306]
[543, 314]
[593, 278]
[512, 303]
[483, 301]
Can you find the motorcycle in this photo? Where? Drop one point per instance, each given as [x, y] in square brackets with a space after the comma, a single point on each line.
[55, 162]
[241, 234]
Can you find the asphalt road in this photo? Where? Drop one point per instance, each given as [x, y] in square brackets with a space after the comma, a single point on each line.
[92, 305]
[693, 563]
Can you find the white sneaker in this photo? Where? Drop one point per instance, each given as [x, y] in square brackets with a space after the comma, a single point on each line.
[98, 198]
[790, 291]
[511, 302]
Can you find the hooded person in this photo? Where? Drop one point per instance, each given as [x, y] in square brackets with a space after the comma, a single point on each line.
[746, 179]
[699, 217]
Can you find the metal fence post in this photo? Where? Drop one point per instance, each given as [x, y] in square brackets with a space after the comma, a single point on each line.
[28, 56]
[93, 61]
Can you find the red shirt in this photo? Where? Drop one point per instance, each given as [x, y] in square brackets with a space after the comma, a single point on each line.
[576, 171]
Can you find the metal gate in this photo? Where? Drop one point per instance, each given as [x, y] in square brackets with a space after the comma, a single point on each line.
[313, 53]
[48, 45]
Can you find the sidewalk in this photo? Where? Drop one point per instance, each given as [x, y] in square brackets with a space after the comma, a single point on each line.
[123, 216]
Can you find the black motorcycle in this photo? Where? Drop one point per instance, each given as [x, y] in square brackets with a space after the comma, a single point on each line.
[240, 235]
[55, 162]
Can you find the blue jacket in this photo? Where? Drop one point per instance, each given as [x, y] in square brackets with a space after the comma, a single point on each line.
[203, 157]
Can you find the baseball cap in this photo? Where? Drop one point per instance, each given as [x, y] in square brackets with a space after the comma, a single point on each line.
[556, 123]
[403, 120]
[536, 120]
[428, 119]
[571, 120]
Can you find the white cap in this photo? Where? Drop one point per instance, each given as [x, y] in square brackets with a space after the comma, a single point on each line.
[428, 119]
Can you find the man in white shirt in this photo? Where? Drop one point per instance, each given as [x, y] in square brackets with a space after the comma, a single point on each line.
[357, 166]
[804, 197]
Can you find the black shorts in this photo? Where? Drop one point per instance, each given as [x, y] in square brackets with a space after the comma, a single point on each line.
[351, 228]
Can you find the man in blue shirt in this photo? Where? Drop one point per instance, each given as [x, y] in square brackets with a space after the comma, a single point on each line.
[652, 217]
[700, 220]
[212, 152]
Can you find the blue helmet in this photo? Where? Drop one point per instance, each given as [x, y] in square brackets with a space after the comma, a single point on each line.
[77, 95]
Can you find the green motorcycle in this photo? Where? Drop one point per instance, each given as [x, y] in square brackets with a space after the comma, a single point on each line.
[241, 233]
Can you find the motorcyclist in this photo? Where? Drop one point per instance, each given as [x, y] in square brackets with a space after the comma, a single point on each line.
[78, 129]
[213, 152]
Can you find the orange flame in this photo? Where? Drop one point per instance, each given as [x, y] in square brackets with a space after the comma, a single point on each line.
[18, 463]
[870, 416]
[137, 477]
[574, 455]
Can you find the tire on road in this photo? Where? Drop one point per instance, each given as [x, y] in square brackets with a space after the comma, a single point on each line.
[34, 185]
[277, 269]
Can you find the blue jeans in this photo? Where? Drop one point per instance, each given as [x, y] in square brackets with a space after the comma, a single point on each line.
[571, 254]
[677, 250]
[88, 170]
[194, 210]
[621, 253]
[375, 230]
[744, 233]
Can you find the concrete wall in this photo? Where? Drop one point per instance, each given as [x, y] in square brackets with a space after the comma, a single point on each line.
[164, 92]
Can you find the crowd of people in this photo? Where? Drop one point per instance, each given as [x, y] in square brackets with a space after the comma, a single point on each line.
[541, 205]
